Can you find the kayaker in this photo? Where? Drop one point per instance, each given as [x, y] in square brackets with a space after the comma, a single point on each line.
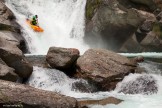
[35, 20]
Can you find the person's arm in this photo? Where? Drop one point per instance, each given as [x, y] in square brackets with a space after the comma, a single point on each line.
[33, 18]
[37, 21]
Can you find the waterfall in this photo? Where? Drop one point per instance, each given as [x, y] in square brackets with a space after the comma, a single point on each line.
[62, 21]
[63, 24]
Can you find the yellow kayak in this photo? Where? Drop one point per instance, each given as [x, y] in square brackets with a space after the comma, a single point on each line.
[34, 27]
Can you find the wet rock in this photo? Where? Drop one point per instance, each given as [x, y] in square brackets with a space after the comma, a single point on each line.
[21, 42]
[110, 100]
[9, 38]
[138, 59]
[151, 39]
[14, 58]
[149, 3]
[113, 24]
[83, 86]
[131, 45]
[145, 5]
[159, 16]
[139, 35]
[37, 60]
[103, 67]
[7, 19]
[143, 84]
[2, 1]
[147, 26]
[146, 15]
[158, 4]
[91, 8]
[2, 62]
[7, 73]
[62, 58]
[147, 37]
[10, 27]
[29, 97]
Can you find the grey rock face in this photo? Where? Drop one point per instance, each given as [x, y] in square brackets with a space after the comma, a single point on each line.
[29, 97]
[7, 73]
[62, 58]
[104, 67]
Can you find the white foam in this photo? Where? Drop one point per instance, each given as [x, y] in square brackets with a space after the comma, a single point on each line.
[54, 80]
[62, 21]
[50, 79]
[145, 54]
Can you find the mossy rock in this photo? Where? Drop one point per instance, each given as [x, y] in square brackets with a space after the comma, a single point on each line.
[4, 27]
[91, 7]
[157, 28]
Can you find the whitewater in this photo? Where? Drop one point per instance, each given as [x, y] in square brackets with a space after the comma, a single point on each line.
[63, 23]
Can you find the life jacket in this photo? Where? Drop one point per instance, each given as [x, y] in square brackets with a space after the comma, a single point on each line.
[34, 20]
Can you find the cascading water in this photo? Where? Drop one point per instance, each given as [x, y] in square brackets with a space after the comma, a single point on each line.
[54, 80]
[63, 22]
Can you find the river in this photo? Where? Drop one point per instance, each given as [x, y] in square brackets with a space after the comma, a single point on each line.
[63, 22]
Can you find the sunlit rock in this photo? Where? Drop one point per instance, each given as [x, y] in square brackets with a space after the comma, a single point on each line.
[29, 97]
[62, 58]
[104, 67]
[10, 27]
[14, 58]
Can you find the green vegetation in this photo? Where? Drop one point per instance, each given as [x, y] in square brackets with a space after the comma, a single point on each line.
[157, 29]
[7, 27]
[91, 6]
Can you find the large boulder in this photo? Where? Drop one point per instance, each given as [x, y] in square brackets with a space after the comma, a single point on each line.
[9, 26]
[7, 19]
[29, 97]
[112, 24]
[148, 36]
[62, 58]
[104, 68]
[7, 73]
[14, 58]
[147, 25]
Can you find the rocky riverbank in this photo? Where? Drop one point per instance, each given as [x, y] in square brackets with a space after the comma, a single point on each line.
[121, 26]
[124, 26]
[12, 46]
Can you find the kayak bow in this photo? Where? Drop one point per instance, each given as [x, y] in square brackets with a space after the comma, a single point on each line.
[34, 27]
